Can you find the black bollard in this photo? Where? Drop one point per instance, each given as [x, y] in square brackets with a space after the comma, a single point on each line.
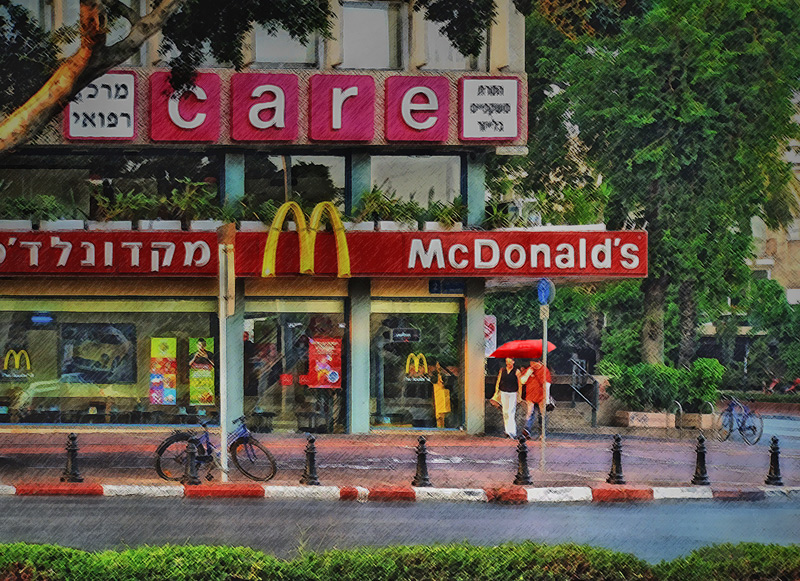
[615, 476]
[700, 474]
[523, 474]
[774, 476]
[71, 473]
[310, 473]
[190, 477]
[421, 477]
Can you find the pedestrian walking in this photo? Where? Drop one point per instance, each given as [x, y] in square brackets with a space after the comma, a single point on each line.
[532, 380]
[508, 386]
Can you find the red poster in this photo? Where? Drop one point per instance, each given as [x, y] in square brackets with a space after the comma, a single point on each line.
[324, 363]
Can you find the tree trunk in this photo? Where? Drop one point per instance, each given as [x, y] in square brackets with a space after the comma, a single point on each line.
[655, 291]
[687, 306]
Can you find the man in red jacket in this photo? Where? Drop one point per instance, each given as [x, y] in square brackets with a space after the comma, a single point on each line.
[533, 379]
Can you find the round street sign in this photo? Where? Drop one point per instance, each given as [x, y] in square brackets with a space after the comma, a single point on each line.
[547, 291]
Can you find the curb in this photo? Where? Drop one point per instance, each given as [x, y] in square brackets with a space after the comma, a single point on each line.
[499, 495]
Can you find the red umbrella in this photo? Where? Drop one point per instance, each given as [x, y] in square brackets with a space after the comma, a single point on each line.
[522, 349]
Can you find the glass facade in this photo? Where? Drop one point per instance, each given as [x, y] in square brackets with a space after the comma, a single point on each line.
[108, 367]
[293, 369]
[423, 179]
[415, 365]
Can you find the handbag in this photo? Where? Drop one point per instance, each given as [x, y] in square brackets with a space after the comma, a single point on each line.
[495, 400]
[551, 404]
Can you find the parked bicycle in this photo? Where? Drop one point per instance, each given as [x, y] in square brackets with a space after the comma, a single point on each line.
[248, 454]
[738, 416]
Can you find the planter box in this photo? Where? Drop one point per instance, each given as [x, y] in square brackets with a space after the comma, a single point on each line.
[392, 226]
[112, 226]
[205, 225]
[437, 227]
[159, 225]
[252, 226]
[56, 225]
[15, 225]
[645, 419]
[698, 421]
[359, 226]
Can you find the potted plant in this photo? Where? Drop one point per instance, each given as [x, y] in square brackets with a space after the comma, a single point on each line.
[496, 215]
[645, 392]
[446, 216]
[118, 211]
[700, 392]
[259, 217]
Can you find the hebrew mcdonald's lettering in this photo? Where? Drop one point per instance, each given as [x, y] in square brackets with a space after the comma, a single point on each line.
[307, 235]
[415, 358]
[17, 355]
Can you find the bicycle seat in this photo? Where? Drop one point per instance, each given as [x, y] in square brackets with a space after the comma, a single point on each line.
[240, 420]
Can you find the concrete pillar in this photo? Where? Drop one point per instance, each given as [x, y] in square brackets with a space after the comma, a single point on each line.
[358, 360]
[475, 187]
[233, 187]
[474, 356]
[359, 179]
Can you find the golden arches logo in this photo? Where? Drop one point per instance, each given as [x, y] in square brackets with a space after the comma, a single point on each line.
[17, 355]
[307, 234]
[416, 358]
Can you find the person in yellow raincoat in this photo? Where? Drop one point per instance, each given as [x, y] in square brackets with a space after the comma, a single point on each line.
[441, 398]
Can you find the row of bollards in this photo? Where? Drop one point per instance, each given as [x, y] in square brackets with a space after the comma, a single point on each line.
[422, 479]
[700, 477]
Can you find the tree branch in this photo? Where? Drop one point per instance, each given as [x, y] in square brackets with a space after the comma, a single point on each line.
[91, 60]
[123, 10]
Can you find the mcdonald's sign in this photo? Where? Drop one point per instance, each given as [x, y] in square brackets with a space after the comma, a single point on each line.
[415, 358]
[307, 234]
[17, 355]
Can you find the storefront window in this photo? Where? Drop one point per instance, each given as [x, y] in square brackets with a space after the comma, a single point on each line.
[279, 49]
[372, 35]
[128, 368]
[416, 366]
[312, 179]
[293, 368]
[423, 179]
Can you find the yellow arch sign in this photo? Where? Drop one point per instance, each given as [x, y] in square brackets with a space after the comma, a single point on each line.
[416, 358]
[308, 237]
[17, 355]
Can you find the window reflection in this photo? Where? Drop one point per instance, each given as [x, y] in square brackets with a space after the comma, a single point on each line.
[423, 179]
[279, 49]
[372, 35]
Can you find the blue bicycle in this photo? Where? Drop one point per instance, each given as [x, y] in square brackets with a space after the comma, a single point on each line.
[738, 416]
[248, 454]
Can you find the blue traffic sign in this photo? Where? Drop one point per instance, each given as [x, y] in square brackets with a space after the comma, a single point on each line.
[546, 291]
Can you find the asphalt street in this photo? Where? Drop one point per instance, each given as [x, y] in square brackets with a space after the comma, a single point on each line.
[652, 531]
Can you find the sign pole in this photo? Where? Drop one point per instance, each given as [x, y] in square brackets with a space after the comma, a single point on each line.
[546, 291]
[223, 379]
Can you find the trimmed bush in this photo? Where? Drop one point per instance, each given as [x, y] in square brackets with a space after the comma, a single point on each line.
[750, 561]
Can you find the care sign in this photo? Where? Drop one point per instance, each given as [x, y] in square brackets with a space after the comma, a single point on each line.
[267, 106]
[105, 109]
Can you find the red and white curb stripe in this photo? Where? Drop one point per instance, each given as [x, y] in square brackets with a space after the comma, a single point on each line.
[503, 495]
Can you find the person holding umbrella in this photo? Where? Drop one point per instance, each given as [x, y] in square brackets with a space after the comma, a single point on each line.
[533, 378]
[508, 385]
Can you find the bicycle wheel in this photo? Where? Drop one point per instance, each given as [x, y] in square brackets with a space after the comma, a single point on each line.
[724, 425]
[171, 456]
[752, 427]
[253, 459]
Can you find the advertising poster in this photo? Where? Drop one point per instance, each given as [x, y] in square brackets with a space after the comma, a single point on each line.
[163, 370]
[201, 371]
[97, 353]
[324, 363]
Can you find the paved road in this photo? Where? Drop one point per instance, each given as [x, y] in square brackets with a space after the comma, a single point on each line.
[655, 531]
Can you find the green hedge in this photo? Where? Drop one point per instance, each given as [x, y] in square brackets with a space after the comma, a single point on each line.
[647, 388]
[462, 562]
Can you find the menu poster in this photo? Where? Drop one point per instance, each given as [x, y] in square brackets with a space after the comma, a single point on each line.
[163, 370]
[324, 363]
[201, 371]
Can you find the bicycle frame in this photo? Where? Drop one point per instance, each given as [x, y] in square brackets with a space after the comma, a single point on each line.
[208, 447]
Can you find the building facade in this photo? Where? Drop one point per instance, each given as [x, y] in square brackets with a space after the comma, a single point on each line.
[367, 326]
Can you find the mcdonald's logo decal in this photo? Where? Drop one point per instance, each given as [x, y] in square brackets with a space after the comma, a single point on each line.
[17, 355]
[416, 358]
[307, 234]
